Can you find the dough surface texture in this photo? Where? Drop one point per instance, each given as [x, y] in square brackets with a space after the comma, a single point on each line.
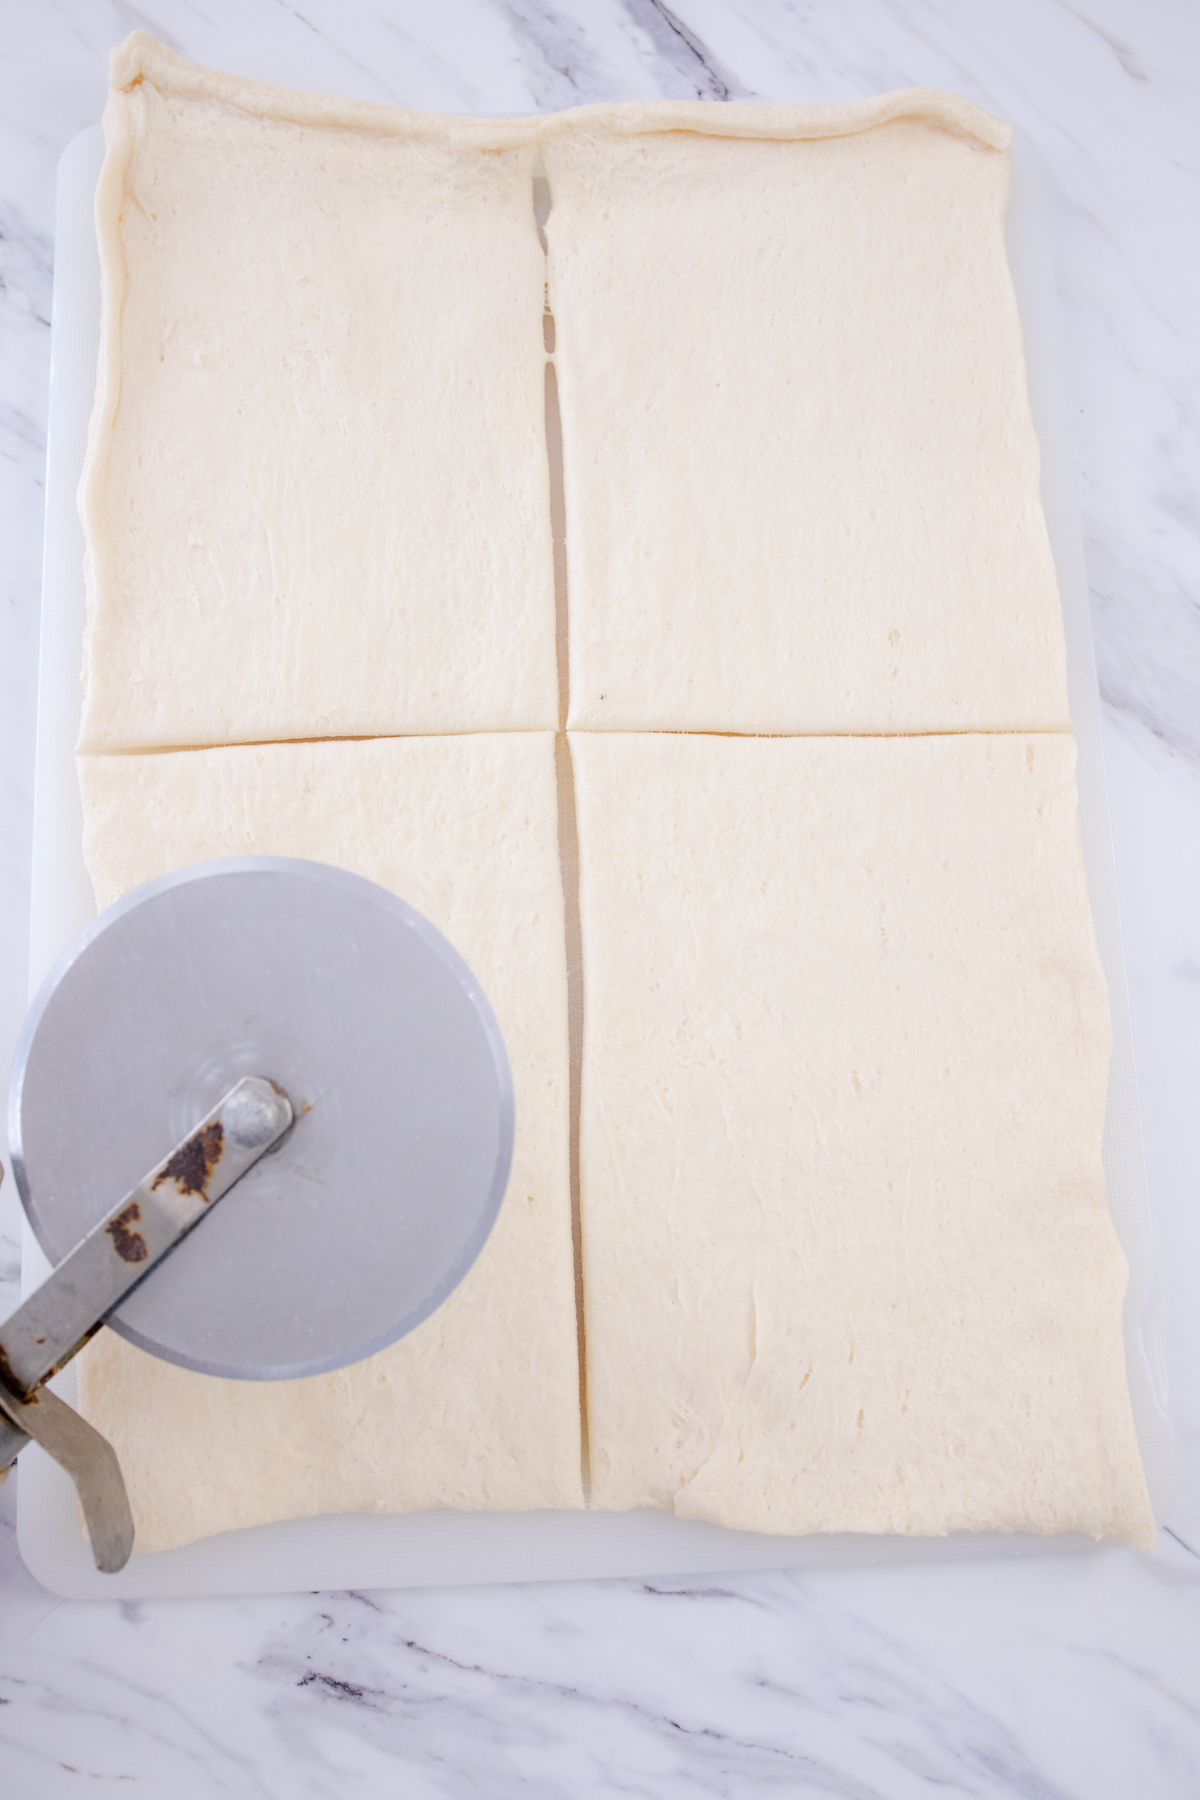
[315, 501]
[479, 1407]
[801, 476]
[848, 1260]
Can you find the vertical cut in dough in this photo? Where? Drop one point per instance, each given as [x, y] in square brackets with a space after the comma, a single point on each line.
[479, 1407]
[802, 481]
[848, 1261]
[316, 499]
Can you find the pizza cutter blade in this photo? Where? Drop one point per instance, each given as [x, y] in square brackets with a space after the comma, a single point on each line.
[369, 1208]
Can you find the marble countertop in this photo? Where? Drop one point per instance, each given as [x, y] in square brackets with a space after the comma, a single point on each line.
[1063, 1677]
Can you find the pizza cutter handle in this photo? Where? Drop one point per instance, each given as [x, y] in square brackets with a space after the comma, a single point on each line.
[11, 1440]
[89, 1460]
[74, 1300]
[59, 1317]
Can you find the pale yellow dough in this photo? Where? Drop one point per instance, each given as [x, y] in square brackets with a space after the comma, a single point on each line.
[316, 499]
[848, 1262]
[802, 481]
[479, 1407]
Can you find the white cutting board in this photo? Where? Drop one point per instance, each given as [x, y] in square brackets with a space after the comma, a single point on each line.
[446, 1548]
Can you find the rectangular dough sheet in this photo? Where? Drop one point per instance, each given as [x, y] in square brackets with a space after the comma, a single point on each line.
[478, 1408]
[316, 499]
[848, 1261]
[802, 481]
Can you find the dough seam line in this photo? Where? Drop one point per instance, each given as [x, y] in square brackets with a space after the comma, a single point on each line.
[372, 737]
[568, 839]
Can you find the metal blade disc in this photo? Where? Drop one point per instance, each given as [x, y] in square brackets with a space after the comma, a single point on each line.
[375, 1204]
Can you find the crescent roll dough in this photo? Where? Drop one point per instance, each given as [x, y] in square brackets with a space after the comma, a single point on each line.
[802, 482]
[848, 1261]
[478, 1408]
[316, 501]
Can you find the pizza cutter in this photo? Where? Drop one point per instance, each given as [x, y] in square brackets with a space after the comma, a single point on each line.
[286, 1038]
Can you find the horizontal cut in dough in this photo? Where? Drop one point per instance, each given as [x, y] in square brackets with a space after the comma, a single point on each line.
[802, 481]
[316, 499]
[479, 1407]
[848, 1262]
